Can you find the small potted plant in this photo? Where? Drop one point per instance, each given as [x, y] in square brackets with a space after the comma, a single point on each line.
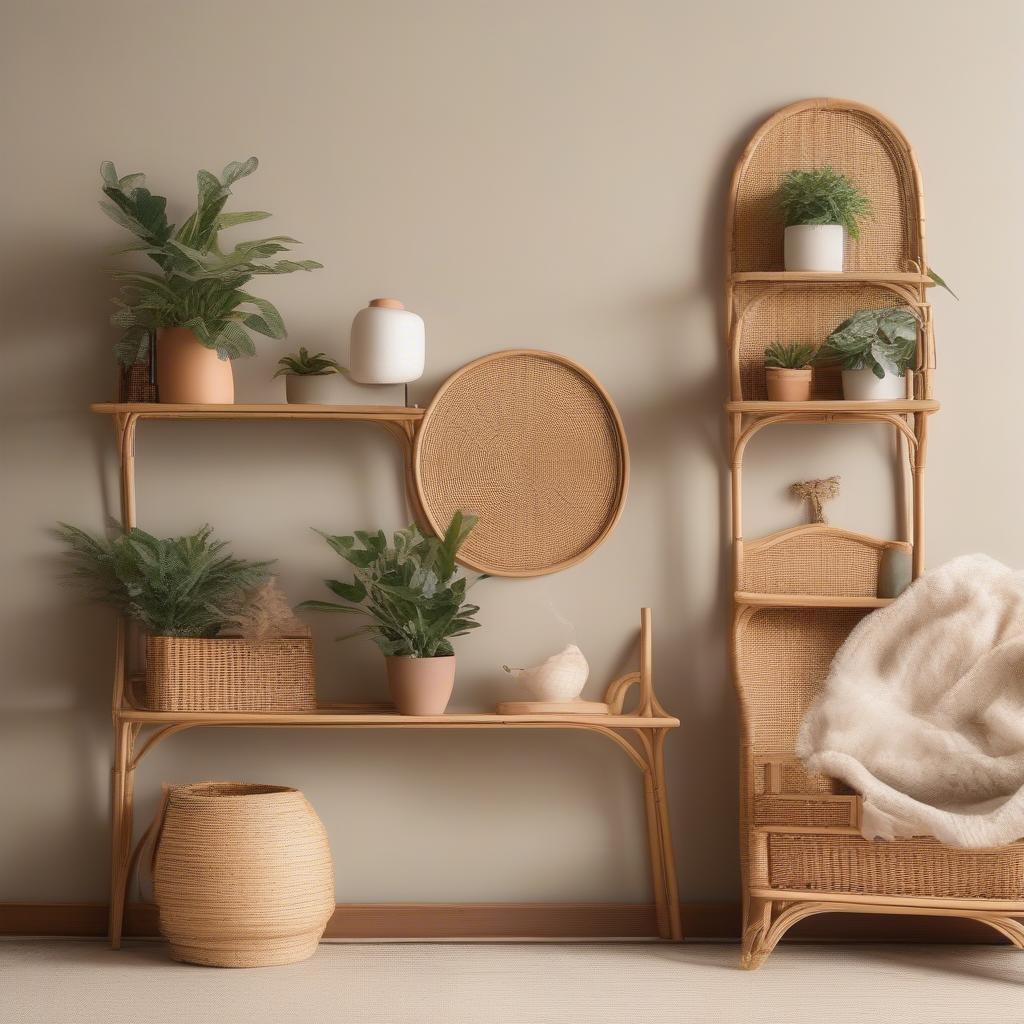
[876, 348]
[818, 205]
[185, 592]
[196, 306]
[310, 379]
[787, 371]
[416, 601]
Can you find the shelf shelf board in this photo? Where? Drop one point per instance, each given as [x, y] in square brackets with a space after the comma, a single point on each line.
[753, 600]
[284, 411]
[852, 277]
[833, 407]
[376, 719]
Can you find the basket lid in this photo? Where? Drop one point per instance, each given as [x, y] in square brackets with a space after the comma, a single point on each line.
[532, 444]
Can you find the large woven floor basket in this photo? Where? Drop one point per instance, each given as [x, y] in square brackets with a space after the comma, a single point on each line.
[242, 875]
[224, 674]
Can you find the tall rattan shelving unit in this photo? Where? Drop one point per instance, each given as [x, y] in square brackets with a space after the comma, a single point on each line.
[799, 592]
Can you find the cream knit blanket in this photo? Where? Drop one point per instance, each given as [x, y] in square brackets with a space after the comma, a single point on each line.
[922, 712]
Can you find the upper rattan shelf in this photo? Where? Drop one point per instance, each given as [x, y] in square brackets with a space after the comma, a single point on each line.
[750, 599]
[167, 411]
[834, 407]
[851, 277]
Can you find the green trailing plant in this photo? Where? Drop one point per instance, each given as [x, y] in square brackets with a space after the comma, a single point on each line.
[199, 285]
[794, 355]
[822, 196]
[410, 588]
[180, 586]
[881, 340]
[305, 365]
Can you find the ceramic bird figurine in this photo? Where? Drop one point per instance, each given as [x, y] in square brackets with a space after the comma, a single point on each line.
[558, 679]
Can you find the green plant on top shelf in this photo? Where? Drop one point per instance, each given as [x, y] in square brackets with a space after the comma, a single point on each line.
[822, 196]
[179, 586]
[794, 355]
[305, 365]
[881, 340]
[410, 589]
[199, 286]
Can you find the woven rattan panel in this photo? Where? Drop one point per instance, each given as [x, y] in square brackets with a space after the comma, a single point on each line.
[531, 444]
[782, 658]
[773, 810]
[793, 777]
[903, 867]
[812, 561]
[804, 314]
[854, 143]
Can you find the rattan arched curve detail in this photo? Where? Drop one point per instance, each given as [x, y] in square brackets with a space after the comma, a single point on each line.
[854, 139]
[531, 443]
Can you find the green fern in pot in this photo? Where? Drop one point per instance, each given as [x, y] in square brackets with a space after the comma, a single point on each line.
[197, 303]
[415, 597]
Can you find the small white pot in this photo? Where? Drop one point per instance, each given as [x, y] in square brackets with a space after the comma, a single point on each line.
[814, 247]
[388, 344]
[864, 386]
[313, 388]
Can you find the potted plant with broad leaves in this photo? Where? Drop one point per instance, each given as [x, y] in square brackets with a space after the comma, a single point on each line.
[195, 309]
[818, 205]
[876, 348]
[186, 593]
[310, 379]
[416, 600]
[787, 371]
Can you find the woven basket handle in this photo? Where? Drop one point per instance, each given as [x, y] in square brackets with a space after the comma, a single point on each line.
[152, 837]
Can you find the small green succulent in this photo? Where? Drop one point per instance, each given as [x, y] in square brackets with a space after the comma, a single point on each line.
[794, 355]
[305, 365]
[822, 196]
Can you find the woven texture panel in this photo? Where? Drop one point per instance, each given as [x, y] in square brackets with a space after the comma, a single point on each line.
[797, 314]
[242, 875]
[186, 674]
[782, 658]
[855, 144]
[534, 448]
[903, 867]
[773, 810]
[815, 561]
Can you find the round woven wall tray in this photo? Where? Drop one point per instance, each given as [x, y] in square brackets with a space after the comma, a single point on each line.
[531, 443]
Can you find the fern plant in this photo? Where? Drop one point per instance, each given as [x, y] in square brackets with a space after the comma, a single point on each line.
[306, 365]
[181, 586]
[822, 196]
[410, 589]
[882, 340]
[199, 286]
[794, 355]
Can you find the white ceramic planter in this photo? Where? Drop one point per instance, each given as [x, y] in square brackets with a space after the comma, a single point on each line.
[313, 388]
[814, 247]
[388, 344]
[864, 386]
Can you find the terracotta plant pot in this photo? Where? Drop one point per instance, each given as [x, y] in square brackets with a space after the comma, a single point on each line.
[189, 373]
[421, 686]
[242, 875]
[787, 385]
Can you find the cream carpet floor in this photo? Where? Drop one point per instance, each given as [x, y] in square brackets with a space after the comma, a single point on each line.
[81, 982]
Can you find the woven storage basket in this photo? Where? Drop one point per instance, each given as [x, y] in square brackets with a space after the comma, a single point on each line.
[242, 875]
[225, 674]
[134, 385]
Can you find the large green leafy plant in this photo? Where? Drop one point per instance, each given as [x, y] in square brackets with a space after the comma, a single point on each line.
[181, 586]
[410, 589]
[822, 196]
[199, 285]
[881, 340]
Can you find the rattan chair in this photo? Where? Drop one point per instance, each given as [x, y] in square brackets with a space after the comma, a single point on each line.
[798, 593]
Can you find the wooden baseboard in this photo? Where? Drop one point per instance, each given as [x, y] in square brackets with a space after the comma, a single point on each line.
[491, 921]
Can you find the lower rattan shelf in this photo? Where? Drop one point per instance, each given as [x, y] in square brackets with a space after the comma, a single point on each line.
[833, 407]
[752, 600]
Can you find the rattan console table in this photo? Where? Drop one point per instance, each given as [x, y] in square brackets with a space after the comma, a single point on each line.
[640, 732]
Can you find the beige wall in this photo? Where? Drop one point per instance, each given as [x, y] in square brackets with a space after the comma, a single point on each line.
[549, 174]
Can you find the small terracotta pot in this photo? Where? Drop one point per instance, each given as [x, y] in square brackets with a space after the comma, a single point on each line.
[787, 385]
[421, 686]
[189, 373]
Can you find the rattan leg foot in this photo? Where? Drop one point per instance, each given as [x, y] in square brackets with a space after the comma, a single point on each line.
[757, 919]
[122, 793]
